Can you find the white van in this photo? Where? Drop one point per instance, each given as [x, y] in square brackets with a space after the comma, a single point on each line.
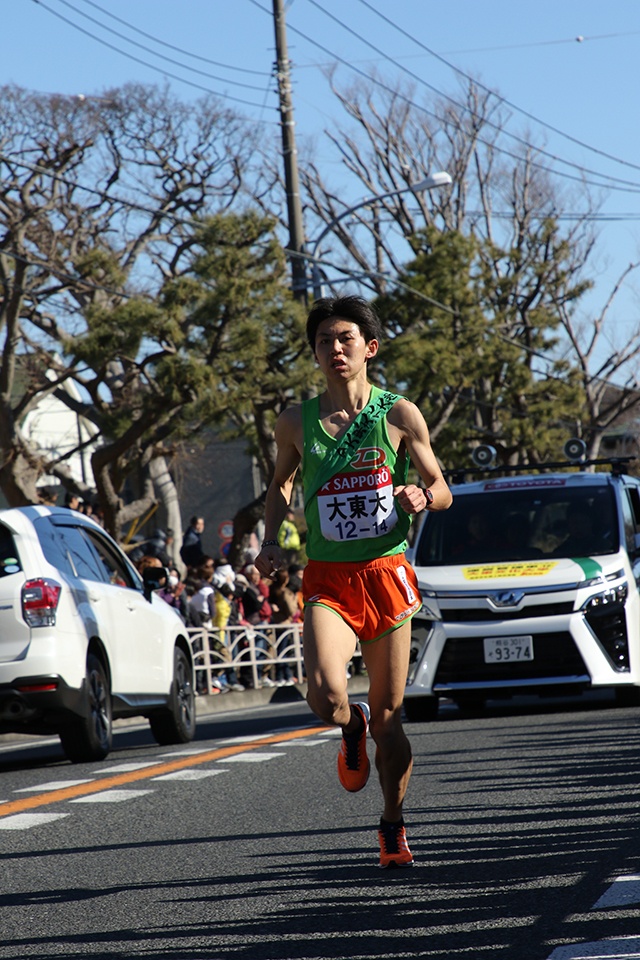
[529, 585]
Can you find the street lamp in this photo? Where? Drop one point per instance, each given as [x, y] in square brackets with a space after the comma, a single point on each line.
[439, 179]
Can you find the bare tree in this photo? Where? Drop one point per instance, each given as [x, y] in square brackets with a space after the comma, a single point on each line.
[99, 200]
[530, 268]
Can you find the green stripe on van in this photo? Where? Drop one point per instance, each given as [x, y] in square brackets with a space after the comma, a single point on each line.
[590, 568]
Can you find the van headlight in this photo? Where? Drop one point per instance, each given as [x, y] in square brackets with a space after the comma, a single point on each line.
[613, 595]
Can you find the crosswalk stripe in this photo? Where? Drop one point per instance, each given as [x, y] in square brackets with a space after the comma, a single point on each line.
[52, 785]
[619, 948]
[111, 796]
[622, 892]
[190, 774]
[252, 758]
[23, 804]
[23, 821]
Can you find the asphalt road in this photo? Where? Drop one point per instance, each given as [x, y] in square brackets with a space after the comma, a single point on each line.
[243, 846]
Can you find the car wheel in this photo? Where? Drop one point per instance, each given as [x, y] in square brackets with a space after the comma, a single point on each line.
[176, 723]
[89, 738]
[421, 709]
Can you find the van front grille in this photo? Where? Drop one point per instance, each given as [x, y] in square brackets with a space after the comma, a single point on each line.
[554, 655]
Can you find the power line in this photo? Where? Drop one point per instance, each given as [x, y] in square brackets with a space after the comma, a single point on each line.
[142, 46]
[466, 109]
[635, 187]
[502, 99]
[145, 63]
[171, 46]
[548, 43]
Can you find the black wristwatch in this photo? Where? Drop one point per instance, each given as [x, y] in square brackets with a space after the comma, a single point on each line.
[429, 497]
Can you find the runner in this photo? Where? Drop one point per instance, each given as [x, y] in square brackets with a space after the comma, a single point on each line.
[353, 444]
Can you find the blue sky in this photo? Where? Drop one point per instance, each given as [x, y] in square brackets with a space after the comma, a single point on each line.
[581, 96]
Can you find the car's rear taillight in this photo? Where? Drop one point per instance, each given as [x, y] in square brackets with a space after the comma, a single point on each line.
[40, 601]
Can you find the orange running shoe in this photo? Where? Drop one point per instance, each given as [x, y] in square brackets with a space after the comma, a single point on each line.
[394, 849]
[353, 762]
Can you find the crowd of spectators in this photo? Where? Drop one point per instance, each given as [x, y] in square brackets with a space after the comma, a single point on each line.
[214, 595]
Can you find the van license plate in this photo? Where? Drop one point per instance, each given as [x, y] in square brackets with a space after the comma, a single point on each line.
[508, 649]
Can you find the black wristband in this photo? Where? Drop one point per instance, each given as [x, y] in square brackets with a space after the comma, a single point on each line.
[269, 543]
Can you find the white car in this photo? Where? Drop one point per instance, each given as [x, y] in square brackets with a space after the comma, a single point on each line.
[529, 585]
[84, 639]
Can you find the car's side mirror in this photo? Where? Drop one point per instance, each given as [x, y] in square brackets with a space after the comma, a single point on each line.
[154, 578]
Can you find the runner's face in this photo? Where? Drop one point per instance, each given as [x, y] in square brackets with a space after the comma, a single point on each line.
[341, 350]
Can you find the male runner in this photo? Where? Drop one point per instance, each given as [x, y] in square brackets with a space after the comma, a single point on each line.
[357, 583]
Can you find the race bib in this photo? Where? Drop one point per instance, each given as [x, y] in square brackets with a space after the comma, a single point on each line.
[357, 506]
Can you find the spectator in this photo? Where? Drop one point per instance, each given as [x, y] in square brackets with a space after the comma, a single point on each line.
[257, 610]
[147, 561]
[202, 605]
[255, 596]
[295, 585]
[175, 595]
[72, 500]
[224, 573]
[169, 546]
[47, 496]
[203, 612]
[284, 610]
[157, 547]
[226, 616]
[193, 579]
[289, 538]
[191, 551]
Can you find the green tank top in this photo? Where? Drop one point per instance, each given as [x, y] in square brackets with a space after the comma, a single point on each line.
[354, 516]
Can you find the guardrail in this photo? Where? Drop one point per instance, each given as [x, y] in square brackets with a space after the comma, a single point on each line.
[256, 653]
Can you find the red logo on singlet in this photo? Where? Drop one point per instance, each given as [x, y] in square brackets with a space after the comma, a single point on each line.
[368, 457]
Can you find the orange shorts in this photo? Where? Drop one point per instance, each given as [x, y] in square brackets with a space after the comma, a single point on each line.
[373, 597]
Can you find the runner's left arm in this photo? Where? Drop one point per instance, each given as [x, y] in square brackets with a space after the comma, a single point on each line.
[406, 421]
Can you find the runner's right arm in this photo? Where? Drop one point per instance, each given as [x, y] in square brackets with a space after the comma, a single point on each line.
[288, 434]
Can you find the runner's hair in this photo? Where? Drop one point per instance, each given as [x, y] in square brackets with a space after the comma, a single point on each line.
[356, 309]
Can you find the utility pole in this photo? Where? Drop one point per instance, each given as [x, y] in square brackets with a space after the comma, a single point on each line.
[290, 156]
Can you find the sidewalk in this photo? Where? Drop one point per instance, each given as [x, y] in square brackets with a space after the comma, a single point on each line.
[208, 704]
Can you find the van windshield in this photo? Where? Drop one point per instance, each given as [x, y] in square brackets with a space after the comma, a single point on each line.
[521, 523]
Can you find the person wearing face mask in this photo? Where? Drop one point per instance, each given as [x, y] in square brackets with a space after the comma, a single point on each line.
[175, 595]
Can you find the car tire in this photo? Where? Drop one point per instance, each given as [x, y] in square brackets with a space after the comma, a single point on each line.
[176, 723]
[89, 738]
[421, 709]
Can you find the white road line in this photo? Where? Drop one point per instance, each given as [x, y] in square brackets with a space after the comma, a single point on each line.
[301, 743]
[52, 785]
[620, 948]
[251, 758]
[23, 821]
[190, 774]
[111, 796]
[622, 892]
[232, 740]
[128, 767]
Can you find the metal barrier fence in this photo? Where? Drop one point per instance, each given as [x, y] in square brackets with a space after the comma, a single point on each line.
[254, 652]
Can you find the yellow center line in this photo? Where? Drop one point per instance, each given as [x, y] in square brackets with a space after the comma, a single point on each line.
[145, 773]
